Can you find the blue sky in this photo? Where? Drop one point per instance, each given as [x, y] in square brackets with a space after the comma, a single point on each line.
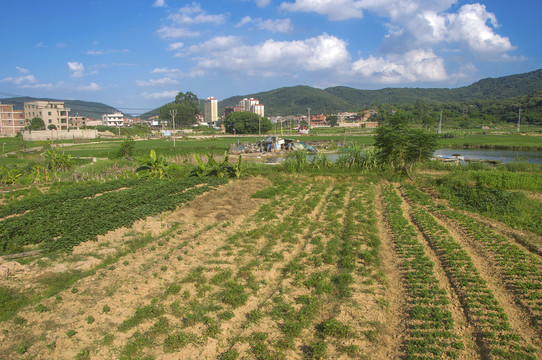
[136, 55]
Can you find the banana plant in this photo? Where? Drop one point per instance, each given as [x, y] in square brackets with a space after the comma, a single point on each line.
[155, 166]
[40, 174]
[239, 167]
[212, 167]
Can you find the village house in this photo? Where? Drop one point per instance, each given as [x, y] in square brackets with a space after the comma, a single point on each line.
[11, 121]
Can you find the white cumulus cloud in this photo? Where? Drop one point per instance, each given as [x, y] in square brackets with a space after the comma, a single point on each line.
[277, 25]
[157, 82]
[160, 95]
[170, 72]
[76, 68]
[172, 32]
[324, 52]
[414, 66]
[333, 9]
[415, 24]
[194, 14]
[21, 70]
[21, 80]
[159, 3]
[175, 46]
[471, 26]
[90, 87]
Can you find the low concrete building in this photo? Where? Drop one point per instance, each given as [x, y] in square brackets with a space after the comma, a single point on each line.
[116, 119]
[51, 112]
[77, 121]
[94, 122]
[11, 121]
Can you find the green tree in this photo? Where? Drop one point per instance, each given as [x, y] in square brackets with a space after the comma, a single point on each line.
[401, 146]
[37, 124]
[188, 99]
[332, 120]
[126, 149]
[245, 122]
[186, 106]
[51, 127]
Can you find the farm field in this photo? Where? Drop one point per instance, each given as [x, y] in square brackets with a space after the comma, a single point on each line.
[286, 267]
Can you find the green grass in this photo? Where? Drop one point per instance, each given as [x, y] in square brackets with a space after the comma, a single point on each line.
[141, 314]
[498, 141]
[11, 302]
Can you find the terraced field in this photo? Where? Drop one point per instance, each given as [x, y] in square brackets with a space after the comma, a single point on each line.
[293, 268]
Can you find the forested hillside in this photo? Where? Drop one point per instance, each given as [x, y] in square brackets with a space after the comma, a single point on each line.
[295, 100]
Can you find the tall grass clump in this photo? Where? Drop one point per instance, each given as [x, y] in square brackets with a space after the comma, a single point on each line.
[359, 158]
[295, 162]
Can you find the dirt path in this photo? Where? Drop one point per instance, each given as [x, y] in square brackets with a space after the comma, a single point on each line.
[393, 334]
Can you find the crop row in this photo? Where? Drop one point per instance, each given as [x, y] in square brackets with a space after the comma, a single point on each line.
[480, 305]
[75, 191]
[317, 279]
[431, 330]
[227, 288]
[522, 270]
[62, 225]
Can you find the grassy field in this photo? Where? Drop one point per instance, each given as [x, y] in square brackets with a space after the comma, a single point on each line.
[287, 266]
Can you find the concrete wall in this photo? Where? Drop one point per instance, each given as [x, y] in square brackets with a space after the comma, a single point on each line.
[59, 135]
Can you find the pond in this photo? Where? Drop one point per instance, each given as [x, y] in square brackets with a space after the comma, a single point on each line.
[503, 156]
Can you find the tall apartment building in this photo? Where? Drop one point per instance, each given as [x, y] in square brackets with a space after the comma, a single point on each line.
[11, 121]
[210, 110]
[51, 112]
[252, 105]
[258, 109]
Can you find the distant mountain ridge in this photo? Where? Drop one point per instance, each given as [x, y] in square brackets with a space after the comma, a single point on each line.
[88, 109]
[295, 100]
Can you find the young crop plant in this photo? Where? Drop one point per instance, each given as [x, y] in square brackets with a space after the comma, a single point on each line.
[522, 270]
[483, 310]
[432, 333]
[141, 314]
[71, 221]
[234, 294]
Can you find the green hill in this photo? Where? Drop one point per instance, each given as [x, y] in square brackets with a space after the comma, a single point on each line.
[88, 109]
[295, 100]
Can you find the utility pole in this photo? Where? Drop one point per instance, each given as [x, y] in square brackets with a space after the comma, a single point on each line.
[172, 113]
[519, 119]
[309, 111]
[440, 123]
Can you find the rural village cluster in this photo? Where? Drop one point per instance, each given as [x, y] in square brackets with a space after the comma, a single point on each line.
[56, 116]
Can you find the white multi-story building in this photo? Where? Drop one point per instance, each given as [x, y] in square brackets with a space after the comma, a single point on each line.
[211, 110]
[116, 119]
[252, 105]
[258, 109]
[51, 112]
